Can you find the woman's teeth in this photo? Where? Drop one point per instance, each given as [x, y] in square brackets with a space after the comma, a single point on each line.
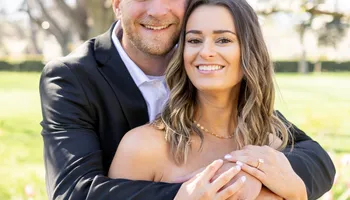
[209, 67]
[156, 27]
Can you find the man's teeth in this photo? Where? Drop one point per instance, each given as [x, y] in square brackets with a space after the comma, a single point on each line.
[156, 27]
[209, 67]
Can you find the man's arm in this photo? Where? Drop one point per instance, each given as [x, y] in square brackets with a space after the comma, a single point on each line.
[310, 161]
[72, 152]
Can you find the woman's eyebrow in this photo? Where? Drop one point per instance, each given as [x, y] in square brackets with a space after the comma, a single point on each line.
[215, 32]
[223, 31]
[194, 32]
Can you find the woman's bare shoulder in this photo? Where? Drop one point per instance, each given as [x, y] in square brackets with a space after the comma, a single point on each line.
[147, 137]
[139, 154]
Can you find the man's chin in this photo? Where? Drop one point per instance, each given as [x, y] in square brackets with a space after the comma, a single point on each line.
[158, 51]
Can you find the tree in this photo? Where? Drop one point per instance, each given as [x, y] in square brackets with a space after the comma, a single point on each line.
[2, 32]
[39, 14]
[10, 29]
[84, 19]
[88, 17]
[100, 14]
[330, 34]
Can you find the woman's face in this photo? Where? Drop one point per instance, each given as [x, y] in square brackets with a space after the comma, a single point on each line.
[212, 52]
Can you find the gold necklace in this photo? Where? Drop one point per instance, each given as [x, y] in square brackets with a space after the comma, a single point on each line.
[207, 131]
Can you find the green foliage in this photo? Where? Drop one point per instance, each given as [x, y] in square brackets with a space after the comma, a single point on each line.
[5, 66]
[327, 66]
[288, 66]
[332, 33]
[22, 66]
[31, 66]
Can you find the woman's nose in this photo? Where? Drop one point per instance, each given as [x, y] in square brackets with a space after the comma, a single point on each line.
[207, 51]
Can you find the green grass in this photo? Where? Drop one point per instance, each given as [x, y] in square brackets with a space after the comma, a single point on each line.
[21, 157]
[318, 104]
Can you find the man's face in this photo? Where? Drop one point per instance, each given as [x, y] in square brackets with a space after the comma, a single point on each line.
[151, 26]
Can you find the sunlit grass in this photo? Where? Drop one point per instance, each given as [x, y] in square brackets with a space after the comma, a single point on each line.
[21, 157]
[320, 105]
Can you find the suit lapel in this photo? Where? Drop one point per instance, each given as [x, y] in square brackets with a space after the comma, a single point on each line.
[116, 74]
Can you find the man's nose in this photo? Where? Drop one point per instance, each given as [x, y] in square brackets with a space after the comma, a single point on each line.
[159, 8]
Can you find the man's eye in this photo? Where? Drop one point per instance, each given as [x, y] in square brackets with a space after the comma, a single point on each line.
[193, 41]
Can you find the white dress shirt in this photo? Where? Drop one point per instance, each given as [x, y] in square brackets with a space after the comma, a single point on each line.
[153, 88]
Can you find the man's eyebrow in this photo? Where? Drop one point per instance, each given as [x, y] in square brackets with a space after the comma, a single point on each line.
[215, 32]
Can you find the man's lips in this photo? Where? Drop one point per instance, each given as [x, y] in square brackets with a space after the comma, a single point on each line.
[156, 27]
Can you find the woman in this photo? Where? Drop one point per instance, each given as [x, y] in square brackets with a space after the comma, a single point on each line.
[221, 99]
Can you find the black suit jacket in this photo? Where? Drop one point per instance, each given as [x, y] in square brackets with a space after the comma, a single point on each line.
[89, 101]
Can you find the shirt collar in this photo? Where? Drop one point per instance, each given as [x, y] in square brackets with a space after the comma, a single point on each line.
[136, 73]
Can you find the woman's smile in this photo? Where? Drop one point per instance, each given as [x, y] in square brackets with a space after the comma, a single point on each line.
[210, 68]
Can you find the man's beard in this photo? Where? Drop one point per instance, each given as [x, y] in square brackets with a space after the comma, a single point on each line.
[152, 46]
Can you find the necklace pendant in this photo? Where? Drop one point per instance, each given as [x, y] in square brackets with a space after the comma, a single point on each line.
[207, 131]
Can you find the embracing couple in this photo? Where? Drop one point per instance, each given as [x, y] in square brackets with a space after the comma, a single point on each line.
[175, 101]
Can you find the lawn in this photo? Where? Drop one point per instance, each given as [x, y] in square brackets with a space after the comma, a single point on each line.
[318, 104]
[21, 157]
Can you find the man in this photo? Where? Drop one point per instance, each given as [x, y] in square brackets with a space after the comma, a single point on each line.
[113, 83]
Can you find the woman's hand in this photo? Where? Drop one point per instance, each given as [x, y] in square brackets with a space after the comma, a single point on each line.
[251, 187]
[272, 168]
[200, 187]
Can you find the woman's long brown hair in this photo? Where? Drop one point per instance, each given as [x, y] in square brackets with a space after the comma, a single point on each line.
[256, 116]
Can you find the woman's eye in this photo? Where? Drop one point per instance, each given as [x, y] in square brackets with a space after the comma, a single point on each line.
[193, 41]
[224, 40]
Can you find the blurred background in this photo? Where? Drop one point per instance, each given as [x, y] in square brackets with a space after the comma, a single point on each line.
[309, 41]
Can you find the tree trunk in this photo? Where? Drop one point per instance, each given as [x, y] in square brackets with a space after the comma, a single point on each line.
[62, 36]
[64, 49]
[77, 16]
[88, 19]
[303, 67]
[101, 16]
[34, 41]
[318, 67]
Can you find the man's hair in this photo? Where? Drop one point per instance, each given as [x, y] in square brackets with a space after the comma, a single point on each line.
[256, 116]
